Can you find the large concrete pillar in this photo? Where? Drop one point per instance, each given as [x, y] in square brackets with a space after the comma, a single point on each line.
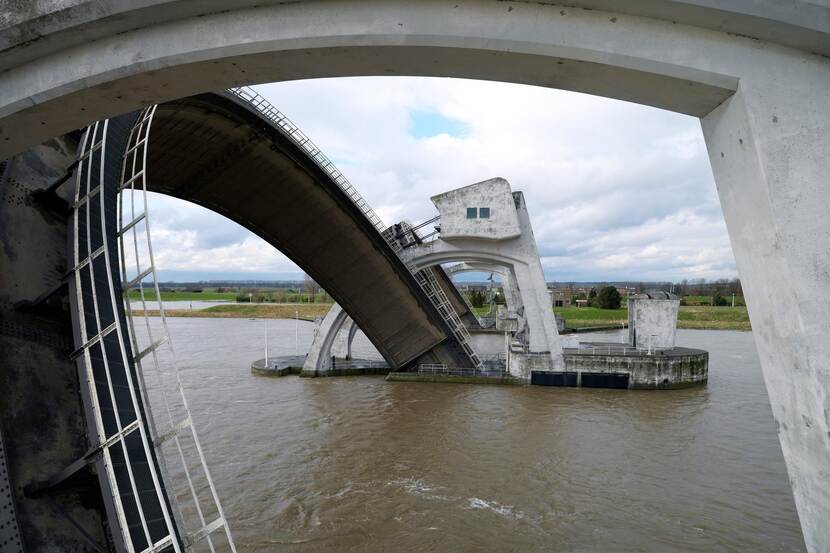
[536, 297]
[769, 147]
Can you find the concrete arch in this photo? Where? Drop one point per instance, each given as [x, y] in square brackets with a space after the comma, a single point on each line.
[511, 292]
[293, 194]
[535, 312]
[757, 73]
[678, 57]
[336, 322]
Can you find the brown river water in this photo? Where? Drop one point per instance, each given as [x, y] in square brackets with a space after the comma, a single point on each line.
[361, 464]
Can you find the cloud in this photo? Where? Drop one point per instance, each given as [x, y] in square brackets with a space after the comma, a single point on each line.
[615, 190]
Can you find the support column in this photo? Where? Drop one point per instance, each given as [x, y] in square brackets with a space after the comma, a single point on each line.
[769, 146]
[318, 360]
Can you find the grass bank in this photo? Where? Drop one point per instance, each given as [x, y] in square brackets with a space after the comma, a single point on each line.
[186, 296]
[248, 310]
[700, 317]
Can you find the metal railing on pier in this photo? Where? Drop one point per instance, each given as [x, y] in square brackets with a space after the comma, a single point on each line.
[444, 370]
[265, 108]
[358, 364]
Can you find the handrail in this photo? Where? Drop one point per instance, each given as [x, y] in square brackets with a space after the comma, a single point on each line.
[426, 280]
[264, 107]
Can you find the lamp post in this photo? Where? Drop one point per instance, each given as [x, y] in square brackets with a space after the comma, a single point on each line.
[266, 342]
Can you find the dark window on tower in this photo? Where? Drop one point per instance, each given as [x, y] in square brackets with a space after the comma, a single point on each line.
[472, 213]
[484, 213]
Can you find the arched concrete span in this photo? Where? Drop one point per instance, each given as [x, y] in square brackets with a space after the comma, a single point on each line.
[337, 330]
[217, 151]
[508, 281]
[686, 56]
[757, 73]
[534, 309]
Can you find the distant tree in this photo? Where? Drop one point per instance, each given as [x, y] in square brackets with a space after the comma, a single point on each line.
[608, 298]
[477, 298]
[498, 298]
[719, 301]
[592, 297]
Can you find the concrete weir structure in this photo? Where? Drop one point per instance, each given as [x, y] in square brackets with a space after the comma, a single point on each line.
[755, 73]
[482, 226]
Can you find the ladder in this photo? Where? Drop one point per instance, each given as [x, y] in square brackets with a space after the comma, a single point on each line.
[197, 509]
[429, 284]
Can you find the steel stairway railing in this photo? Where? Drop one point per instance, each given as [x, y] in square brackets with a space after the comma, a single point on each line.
[426, 280]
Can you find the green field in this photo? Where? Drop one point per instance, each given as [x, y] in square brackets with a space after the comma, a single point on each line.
[186, 296]
[251, 310]
[723, 318]
[582, 317]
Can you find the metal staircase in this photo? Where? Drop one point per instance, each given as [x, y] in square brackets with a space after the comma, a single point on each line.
[425, 278]
[399, 238]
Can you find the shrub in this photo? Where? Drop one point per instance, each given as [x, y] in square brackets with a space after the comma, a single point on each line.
[608, 298]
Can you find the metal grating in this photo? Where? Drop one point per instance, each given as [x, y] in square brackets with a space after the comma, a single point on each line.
[10, 541]
[131, 467]
[127, 468]
[196, 503]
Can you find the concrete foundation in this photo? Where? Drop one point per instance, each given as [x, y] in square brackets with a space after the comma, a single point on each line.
[676, 368]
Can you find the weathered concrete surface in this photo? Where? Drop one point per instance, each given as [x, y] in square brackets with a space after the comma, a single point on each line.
[66, 64]
[485, 244]
[652, 320]
[769, 146]
[676, 62]
[488, 342]
[40, 411]
[200, 145]
[678, 368]
[501, 222]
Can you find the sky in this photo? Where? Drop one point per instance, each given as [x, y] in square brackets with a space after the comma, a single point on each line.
[616, 191]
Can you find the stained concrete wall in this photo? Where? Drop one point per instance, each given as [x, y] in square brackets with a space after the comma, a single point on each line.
[487, 343]
[492, 194]
[652, 323]
[646, 372]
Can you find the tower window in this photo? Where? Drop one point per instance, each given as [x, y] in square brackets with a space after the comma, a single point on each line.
[472, 213]
[483, 213]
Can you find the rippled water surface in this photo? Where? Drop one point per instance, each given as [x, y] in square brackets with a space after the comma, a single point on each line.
[360, 464]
